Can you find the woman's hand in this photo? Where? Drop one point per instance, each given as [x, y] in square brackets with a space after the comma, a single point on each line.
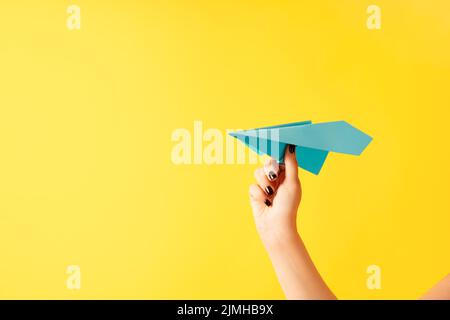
[275, 199]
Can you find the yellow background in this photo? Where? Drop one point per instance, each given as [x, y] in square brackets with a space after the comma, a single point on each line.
[86, 119]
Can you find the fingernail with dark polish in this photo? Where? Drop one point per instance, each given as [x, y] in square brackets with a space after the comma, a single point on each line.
[272, 175]
[267, 202]
[269, 190]
[291, 148]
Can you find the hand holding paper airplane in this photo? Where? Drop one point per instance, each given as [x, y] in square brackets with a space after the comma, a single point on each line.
[313, 141]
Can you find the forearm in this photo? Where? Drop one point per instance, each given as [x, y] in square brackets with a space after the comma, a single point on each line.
[441, 291]
[295, 270]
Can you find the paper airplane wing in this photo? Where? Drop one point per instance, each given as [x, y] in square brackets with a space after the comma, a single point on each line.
[313, 141]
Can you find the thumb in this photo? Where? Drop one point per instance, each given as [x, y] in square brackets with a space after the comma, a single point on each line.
[290, 162]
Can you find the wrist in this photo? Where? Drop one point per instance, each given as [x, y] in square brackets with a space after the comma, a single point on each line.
[280, 239]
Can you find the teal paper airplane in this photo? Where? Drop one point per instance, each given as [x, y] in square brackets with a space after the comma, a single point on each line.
[312, 141]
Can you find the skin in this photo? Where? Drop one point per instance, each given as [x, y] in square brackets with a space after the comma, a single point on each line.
[441, 291]
[275, 214]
